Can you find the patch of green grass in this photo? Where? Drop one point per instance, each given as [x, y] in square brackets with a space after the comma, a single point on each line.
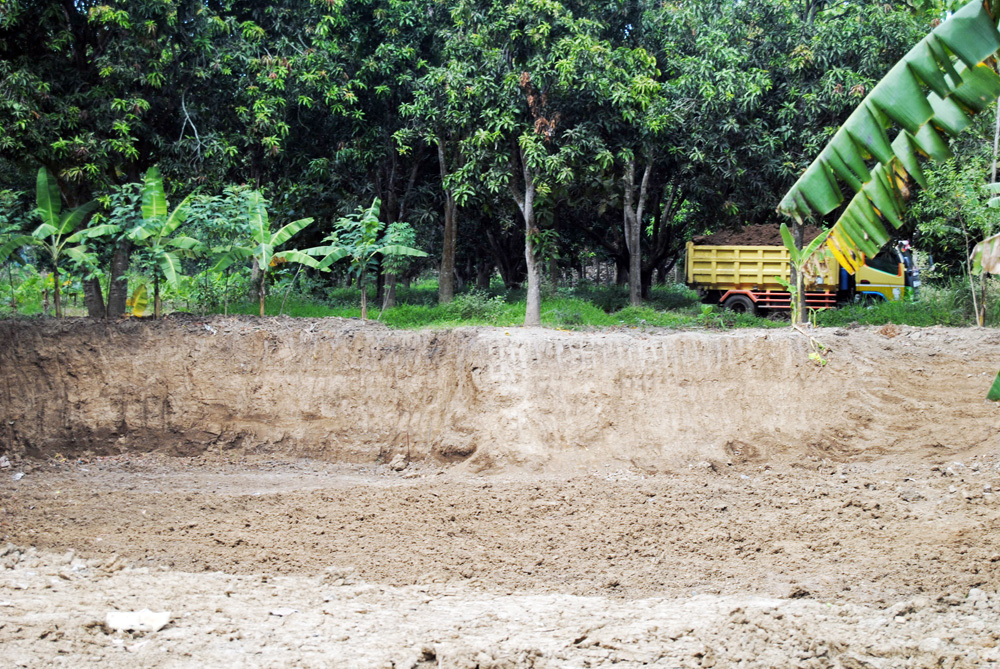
[936, 306]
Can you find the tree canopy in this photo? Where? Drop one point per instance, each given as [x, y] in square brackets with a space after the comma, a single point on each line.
[522, 137]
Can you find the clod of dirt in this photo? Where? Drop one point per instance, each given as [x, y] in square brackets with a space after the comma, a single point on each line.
[398, 463]
[889, 330]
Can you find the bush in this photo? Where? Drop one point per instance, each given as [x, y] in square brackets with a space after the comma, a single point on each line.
[477, 306]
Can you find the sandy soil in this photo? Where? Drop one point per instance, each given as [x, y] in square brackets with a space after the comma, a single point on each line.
[879, 564]
[838, 515]
[490, 398]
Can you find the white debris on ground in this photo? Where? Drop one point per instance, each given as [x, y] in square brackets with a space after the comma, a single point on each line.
[56, 616]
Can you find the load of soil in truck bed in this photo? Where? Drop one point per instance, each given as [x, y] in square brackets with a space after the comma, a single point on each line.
[752, 235]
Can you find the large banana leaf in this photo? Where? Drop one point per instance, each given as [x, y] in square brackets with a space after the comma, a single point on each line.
[994, 394]
[13, 244]
[286, 232]
[231, 256]
[154, 200]
[170, 265]
[330, 254]
[79, 254]
[400, 250]
[48, 198]
[934, 89]
[72, 219]
[177, 216]
[186, 244]
[301, 257]
[139, 301]
[260, 226]
[986, 256]
[92, 232]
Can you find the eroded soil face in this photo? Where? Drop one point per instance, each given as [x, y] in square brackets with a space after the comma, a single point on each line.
[856, 526]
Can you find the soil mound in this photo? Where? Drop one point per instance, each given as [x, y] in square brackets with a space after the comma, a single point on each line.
[753, 235]
[341, 390]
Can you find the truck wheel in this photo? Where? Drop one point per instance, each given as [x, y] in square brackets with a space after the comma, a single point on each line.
[740, 304]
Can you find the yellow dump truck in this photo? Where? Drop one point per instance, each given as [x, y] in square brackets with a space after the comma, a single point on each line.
[745, 278]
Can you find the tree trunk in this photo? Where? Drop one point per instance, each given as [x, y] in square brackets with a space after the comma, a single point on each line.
[446, 275]
[255, 280]
[118, 289]
[799, 310]
[390, 292]
[633, 229]
[533, 299]
[526, 203]
[93, 297]
[156, 296]
[55, 290]
[364, 298]
[262, 289]
[45, 293]
[483, 272]
[621, 271]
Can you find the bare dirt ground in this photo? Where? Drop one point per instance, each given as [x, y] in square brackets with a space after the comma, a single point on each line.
[837, 515]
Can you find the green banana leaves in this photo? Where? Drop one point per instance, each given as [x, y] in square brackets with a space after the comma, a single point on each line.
[994, 394]
[931, 92]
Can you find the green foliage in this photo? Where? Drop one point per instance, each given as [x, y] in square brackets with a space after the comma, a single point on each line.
[357, 238]
[798, 260]
[264, 244]
[933, 89]
[944, 304]
[325, 106]
[478, 307]
[994, 393]
[952, 213]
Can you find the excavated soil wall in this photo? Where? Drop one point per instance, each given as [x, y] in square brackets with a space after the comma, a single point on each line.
[346, 391]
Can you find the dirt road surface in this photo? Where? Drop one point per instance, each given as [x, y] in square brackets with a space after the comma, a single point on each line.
[858, 528]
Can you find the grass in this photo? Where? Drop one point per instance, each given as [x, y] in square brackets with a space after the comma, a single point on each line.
[584, 308]
[949, 303]
[589, 307]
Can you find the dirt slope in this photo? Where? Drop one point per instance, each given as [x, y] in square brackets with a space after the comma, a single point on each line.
[344, 391]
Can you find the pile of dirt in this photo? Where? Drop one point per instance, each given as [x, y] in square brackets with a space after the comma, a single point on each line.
[753, 235]
[345, 391]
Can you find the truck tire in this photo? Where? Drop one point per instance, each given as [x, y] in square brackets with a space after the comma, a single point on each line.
[740, 304]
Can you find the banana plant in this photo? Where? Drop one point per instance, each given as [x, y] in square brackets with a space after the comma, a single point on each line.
[799, 259]
[356, 237]
[932, 92]
[986, 258]
[154, 233]
[264, 247]
[57, 235]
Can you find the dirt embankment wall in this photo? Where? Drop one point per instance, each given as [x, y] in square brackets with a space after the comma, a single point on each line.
[341, 390]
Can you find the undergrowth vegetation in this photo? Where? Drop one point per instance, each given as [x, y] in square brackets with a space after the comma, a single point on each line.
[582, 307]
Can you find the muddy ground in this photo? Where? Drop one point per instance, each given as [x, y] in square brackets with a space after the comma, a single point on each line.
[842, 514]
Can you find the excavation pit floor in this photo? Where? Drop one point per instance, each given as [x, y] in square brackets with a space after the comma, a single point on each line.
[327, 492]
[884, 563]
